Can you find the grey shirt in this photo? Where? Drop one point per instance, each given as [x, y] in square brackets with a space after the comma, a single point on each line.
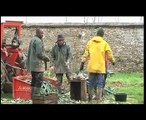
[61, 55]
[36, 55]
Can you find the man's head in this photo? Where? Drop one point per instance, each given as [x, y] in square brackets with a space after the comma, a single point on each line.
[39, 33]
[100, 32]
[60, 39]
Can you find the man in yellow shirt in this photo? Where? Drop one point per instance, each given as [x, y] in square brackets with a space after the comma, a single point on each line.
[95, 52]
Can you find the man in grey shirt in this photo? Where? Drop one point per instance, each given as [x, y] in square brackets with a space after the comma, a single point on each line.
[61, 58]
[35, 61]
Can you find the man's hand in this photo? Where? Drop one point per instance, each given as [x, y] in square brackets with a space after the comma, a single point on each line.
[82, 66]
[67, 63]
[52, 68]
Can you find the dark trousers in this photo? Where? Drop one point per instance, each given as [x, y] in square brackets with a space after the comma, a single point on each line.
[37, 79]
[59, 77]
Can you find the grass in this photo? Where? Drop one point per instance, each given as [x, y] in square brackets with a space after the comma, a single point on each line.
[8, 95]
[130, 83]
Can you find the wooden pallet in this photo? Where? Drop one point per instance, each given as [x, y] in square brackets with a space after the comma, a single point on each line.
[52, 98]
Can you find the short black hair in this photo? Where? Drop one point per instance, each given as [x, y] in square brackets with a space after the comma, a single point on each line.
[100, 32]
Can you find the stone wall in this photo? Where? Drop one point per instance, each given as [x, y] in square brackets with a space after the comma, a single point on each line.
[126, 41]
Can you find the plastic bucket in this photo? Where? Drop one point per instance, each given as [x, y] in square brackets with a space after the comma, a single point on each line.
[121, 97]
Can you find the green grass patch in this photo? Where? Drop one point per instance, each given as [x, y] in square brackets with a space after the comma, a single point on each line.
[130, 83]
[7, 95]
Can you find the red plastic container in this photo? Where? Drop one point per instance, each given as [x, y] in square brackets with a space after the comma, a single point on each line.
[21, 88]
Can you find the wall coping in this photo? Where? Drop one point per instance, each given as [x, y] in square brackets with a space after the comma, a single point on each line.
[84, 25]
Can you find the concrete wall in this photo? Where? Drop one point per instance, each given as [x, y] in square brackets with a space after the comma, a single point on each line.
[126, 41]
